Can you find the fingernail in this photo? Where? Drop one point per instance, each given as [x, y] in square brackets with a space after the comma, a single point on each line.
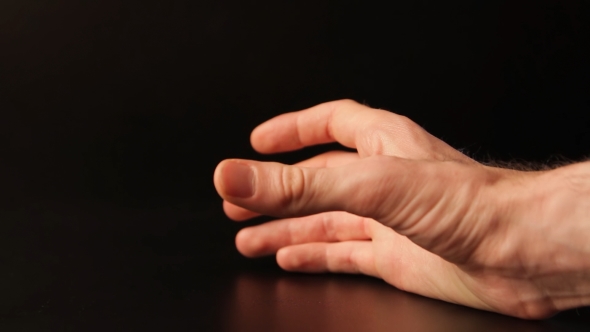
[238, 179]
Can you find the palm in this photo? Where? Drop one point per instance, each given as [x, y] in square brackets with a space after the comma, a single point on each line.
[407, 266]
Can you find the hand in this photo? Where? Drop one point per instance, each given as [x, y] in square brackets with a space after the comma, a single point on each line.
[412, 210]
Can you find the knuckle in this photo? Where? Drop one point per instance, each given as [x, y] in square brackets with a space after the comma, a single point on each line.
[407, 123]
[350, 262]
[338, 261]
[412, 140]
[328, 227]
[347, 102]
[342, 104]
[293, 184]
[374, 141]
[410, 129]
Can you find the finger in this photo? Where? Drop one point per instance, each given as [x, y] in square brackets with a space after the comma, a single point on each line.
[324, 123]
[267, 239]
[341, 257]
[238, 213]
[328, 159]
[370, 131]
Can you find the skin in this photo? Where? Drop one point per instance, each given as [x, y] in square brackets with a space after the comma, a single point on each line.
[413, 211]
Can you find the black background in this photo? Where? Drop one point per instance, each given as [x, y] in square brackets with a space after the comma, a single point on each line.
[138, 101]
[114, 114]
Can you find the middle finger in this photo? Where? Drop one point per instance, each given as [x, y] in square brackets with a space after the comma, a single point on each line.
[268, 238]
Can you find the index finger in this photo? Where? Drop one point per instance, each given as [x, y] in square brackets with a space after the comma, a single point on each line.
[370, 131]
[338, 121]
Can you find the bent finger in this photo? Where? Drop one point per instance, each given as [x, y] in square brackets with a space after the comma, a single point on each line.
[238, 213]
[268, 238]
[370, 131]
[336, 121]
[341, 257]
[330, 159]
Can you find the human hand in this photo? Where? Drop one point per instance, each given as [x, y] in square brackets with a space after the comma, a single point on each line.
[413, 211]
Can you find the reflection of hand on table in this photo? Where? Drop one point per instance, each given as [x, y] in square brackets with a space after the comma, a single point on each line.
[413, 211]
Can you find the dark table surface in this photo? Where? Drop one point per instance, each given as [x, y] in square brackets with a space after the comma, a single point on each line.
[85, 265]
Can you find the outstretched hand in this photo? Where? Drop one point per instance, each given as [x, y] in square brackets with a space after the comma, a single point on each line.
[410, 209]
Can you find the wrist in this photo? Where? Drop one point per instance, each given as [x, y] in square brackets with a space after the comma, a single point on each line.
[539, 230]
[556, 212]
